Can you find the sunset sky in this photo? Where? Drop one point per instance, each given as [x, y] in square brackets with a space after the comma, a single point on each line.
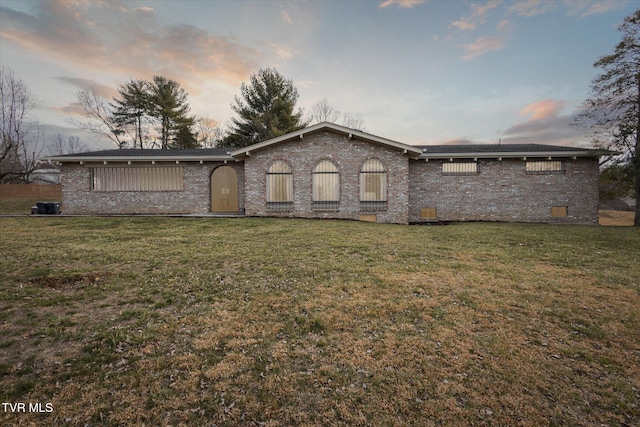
[417, 71]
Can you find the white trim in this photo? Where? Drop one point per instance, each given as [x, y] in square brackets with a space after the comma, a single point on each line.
[116, 159]
[411, 150]
[515, 154]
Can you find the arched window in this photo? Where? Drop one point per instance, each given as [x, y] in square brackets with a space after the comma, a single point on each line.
[373, 186]
[326, 186]
[279, 187]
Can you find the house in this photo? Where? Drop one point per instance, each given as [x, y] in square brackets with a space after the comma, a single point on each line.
[331, 171]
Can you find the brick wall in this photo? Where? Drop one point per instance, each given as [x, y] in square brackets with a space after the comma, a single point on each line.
[348, 155]
[503, 191]
[195, 198]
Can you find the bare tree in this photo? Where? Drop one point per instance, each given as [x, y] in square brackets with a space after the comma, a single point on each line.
[613, 110]
[61, 146]
[353, 121]
[322, 111]
[15, 128]
[98, 116]
[29, 155]
[209, 132]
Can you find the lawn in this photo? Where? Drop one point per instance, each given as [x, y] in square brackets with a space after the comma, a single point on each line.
[277, 322]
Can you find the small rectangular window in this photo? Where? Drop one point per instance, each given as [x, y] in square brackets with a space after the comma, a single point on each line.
[544, 166]
[559, 211]
[142, 178]
[460, 168]
[428, 213]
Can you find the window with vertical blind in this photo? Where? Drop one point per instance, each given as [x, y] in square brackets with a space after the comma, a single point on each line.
[373, 186]
[325, 186]
[544, 166]
[459, 168]
[279, 187]
[137, 178]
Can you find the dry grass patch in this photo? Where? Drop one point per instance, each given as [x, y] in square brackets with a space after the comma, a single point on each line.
[292, 322]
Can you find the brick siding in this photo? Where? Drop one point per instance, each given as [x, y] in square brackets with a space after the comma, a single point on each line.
[195, 198]
[348, 155]
[503, 191]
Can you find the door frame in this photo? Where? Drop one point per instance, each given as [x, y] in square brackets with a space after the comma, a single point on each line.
[232, 187]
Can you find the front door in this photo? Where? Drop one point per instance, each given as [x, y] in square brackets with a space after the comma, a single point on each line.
[224, 190]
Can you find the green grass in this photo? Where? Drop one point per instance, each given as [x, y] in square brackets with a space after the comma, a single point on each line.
[169, 321]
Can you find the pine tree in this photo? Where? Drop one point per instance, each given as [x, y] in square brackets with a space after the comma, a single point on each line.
[265, 109]
[168, 104]
[131, 109]
[184, 138]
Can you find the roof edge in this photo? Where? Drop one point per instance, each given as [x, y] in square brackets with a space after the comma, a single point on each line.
[412, 150]
[120, 159]
[517, 154]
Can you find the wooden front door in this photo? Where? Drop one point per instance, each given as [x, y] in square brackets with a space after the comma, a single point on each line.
[224, 190]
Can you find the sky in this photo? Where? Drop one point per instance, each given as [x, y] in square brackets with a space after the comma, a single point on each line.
[417, 71]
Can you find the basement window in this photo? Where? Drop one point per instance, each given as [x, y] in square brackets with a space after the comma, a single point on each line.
[544, 166]
[137, 178]
[559, 211]
[428, 213]
[460, 168]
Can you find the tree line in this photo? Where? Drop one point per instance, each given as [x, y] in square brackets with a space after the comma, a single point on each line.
[144, 114]
[156, 114]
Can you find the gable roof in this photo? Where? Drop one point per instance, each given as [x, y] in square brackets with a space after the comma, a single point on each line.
[411, 150]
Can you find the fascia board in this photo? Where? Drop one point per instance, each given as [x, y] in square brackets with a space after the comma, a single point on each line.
[415, 151]
[512, 154]
[116, 159]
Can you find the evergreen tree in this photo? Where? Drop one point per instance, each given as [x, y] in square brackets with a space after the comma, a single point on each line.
[184, 138]
[131, 109]
[168, 104]
[613, 111]
[265, 109]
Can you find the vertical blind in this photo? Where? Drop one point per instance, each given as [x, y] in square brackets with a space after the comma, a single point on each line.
[326, 182]
[138, 178]
[544, 166]
[459, 168]
[279, 183]
[373, 181]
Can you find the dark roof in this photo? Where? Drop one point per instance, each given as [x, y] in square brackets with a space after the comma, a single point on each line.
[497, 148]
[149, 152]
[427, 152]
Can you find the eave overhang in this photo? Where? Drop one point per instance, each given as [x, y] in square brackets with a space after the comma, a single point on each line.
[515, 154]
[137, 159]
[410, 150]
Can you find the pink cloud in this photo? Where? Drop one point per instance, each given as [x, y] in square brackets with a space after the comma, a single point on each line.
[405, 4]
[482, 46]
[109, 36]
[529, 8]
[546, 124]
[543, 109]
[487, 44]
[476, 16]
